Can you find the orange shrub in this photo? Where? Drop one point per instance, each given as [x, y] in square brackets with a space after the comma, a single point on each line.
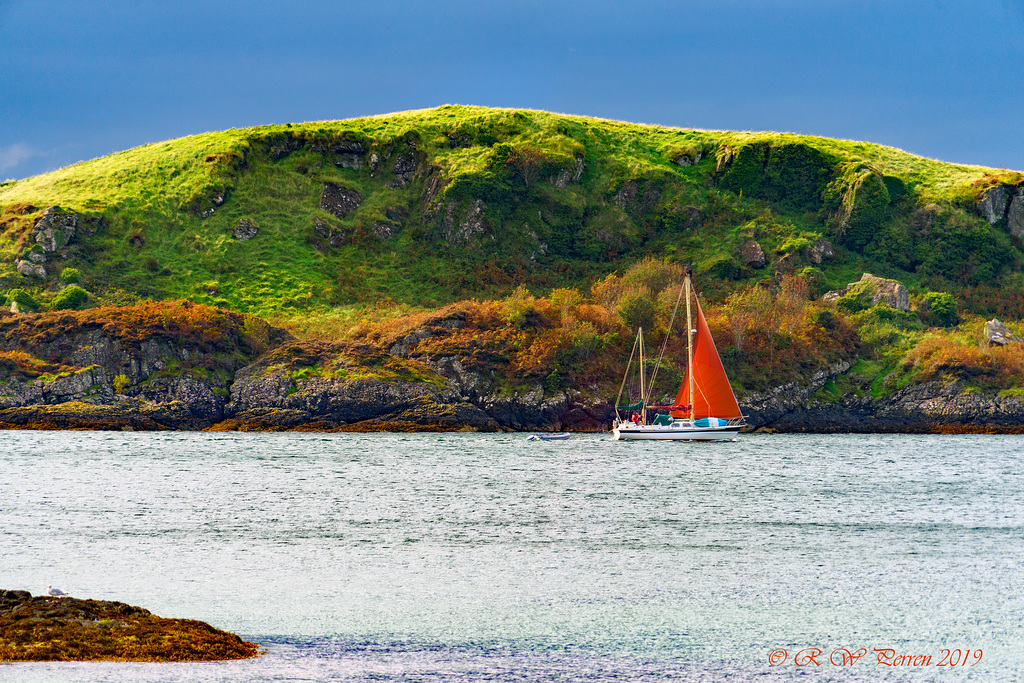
[938, 355]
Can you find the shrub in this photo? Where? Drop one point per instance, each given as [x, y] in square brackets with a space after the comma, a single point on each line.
[69, 298]
[938, 309]
[120, 383]
[70, 275]
[23, 299]
[826, 319]
[637, 309]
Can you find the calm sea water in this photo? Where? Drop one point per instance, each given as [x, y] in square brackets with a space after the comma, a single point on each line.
[464, 557]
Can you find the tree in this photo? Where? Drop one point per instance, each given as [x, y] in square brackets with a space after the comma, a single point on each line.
[527, 162]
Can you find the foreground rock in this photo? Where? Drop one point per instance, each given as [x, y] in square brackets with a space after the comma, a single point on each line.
[67, 629]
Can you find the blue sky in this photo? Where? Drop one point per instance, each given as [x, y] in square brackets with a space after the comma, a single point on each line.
[938, 78]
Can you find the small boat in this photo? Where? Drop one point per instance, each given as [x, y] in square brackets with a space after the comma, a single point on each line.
[549, 437]
[705, 407]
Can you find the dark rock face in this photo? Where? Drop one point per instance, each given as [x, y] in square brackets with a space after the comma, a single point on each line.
[245, 230]
[348, 154]
[152, 383]
[925, 408]
[405, 169]
[339, 200]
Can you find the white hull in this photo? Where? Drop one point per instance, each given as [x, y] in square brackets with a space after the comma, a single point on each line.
[681, 431]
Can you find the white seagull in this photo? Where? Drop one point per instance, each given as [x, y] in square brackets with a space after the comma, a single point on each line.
[56, 592]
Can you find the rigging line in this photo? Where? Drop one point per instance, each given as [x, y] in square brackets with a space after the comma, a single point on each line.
[625, 375]
[657, 366]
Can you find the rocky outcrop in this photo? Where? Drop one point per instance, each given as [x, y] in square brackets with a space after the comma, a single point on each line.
[875, 290]
[245, 230]
[347, 154]
[993, 204]
[1004, 202]
[54, 229]
[751, 255]
[72, 368]
[569, 175]
[1015, 215]
[998, 334]
[59, 371]
[30, 269]
[764, 408]
[332, 235]
[820, 251]
[404, 169]
[933, 407]
[460, 230]
[47, 629]
[339, 200]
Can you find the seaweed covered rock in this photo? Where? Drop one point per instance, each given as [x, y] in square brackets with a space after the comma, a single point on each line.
[68, 629]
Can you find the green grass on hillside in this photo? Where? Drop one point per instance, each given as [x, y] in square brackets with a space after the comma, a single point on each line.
[562, 201]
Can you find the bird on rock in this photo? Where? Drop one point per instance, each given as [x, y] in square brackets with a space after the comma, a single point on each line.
[56, 592]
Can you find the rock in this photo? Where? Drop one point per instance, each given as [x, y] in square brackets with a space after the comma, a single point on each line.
[992, 205]
[245, 230]
[29, 269]
[462, 231]
[1015, 216]
[36, 257]
[386, 229]
[68, 629]
[339, 200]
[570, 175]
[821, 250]
[878, 290]
[348, 154]
[54, 229]
[689, 159]
[334, 236]
[752, 255]
[405, 168]
[998, 334]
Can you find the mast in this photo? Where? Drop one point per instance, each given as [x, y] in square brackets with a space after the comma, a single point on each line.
[689, 343]
[643, 394]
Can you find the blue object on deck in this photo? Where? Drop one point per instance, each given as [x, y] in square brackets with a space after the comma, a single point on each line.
[710, 422]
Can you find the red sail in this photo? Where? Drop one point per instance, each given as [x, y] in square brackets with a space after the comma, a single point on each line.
[713, 395]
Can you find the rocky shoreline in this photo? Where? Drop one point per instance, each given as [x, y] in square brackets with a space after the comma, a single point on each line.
[177, 366]
[43, 628]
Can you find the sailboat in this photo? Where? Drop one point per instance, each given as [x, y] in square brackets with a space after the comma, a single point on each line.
[705, 407]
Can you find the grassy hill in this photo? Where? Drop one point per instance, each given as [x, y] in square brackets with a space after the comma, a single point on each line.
[374, 218]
